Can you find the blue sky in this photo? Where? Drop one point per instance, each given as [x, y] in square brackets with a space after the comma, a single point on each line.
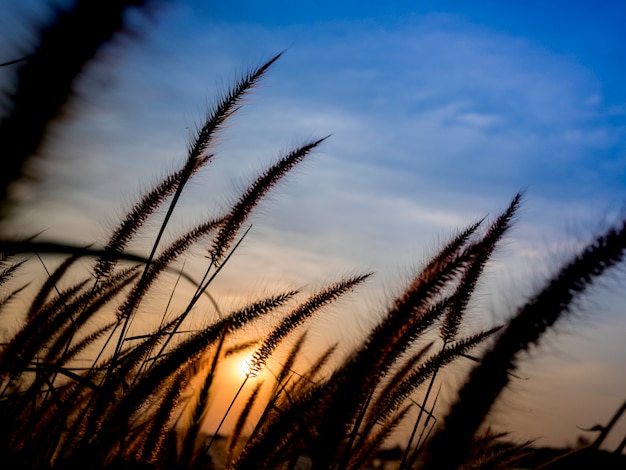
[439, 113]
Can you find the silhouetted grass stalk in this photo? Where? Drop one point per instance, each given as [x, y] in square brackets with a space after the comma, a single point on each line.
[488, 379]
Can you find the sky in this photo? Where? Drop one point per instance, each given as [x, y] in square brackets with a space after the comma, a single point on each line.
[438, 112]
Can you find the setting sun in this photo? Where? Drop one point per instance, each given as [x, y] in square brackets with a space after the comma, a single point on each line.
[244, 367]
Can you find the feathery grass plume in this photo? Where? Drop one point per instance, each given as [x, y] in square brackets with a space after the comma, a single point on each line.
[166, 310]
[251, 197]
[363, 432]
[408, 317]
[94, 301]
[200, 407]
[121, 377]
[80, 345]
[409, 366]
[195, 159]
[453, 247]
[349, 447]
[273, 418]
[301, 313]
[395, 398]
[137, 216]
[70, 391]
[226, 107]
[132, 356]
[439, 270]
[483, 250]
[151, 271]
[170, 254]
[45, 78]
[253, 370]
[35, 429]
[59, 312]
[351, 385]
[153, 447]
[84, 307]
[289, 430]
[48, 370]
[235, 434]
[488, 379]
[366, 450]
[116, 381]
[200, 291]
[270, 408]
[49, 285]
[285, 327]
[422, 319]
[311, 374]
[8, 272]
[411, 314]
[5, 275]
[6, 299]
[71, 417]
[185, 353]
[33, 335]
[196, 153]
[289, 361]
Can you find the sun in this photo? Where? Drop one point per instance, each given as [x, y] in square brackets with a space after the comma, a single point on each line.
[244, 366]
